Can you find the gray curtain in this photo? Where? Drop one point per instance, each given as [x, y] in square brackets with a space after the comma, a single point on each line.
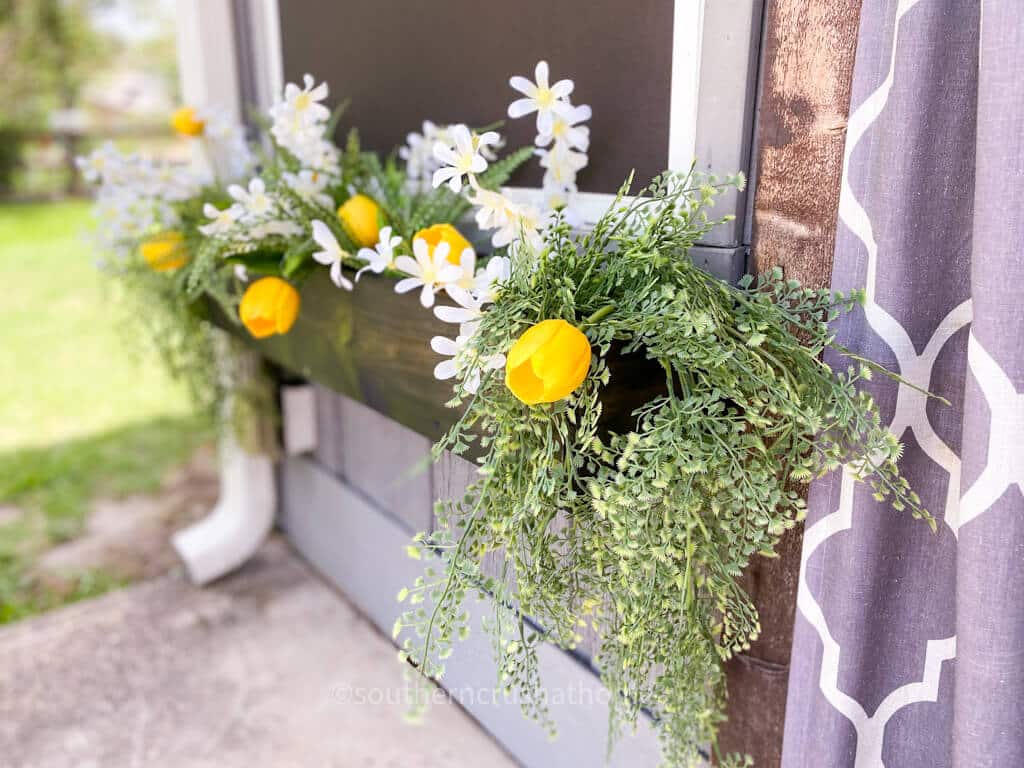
[909, 645]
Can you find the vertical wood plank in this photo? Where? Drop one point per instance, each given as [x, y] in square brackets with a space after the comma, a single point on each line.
[386, 462]
[807, 69]
[328, 444]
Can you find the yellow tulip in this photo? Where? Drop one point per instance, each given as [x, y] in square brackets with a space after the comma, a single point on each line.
[184, 121]
[165, 251]
[269, 306]
[360, 215]
[548, 362]
[445, 233]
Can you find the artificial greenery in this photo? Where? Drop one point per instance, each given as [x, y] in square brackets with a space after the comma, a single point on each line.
[172, 307]
[642, 535]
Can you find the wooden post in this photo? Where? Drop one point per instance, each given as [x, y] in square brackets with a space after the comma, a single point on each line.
[807, 69]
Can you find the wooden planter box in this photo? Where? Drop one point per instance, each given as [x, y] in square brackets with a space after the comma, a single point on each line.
[373, 345]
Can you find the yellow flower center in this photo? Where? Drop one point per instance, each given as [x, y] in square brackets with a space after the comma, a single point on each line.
[545, 98]
[302, 102]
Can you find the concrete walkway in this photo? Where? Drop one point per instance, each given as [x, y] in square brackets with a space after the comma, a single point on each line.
[268, 668]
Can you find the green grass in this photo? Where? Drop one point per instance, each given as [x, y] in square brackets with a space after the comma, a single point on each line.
[81, 415]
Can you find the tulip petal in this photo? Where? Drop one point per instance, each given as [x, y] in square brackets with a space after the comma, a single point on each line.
[531, 341]
[524, 383]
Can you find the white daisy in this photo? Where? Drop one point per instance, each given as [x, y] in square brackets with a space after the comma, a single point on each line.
[331, 255]
[276, 227]
[223, 221]
[464, 362]
[561, 164]
[418, 151]
[462, 157]
[467, 263]
[546, 100]
[304, 103]
[490, 278]
[309, 185]
[432, 272]
[468, 313]
[255, 200]
[566, 129]
[494, 210]
[382, 255]
[97, 165]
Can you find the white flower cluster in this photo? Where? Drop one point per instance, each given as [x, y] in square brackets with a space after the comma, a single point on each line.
[300, 125]
[418, 152]
[464, 361]
[225, 147]
[135, 194]
[562, 143]
[562, 138]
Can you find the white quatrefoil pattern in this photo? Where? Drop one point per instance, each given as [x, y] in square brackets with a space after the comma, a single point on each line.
[909, 645]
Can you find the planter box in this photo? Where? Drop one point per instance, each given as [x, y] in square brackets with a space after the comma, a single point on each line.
[373, 345]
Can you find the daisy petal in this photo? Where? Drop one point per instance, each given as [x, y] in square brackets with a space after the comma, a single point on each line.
[541, 74]
[408, 284]
[444, 346]
[445, 370]
[521, 107]
[455, 315]
[427, 296]
[562, 88]
[449, 274]
[323, 236]
[524, 86]
[441, 175]
[407, 265]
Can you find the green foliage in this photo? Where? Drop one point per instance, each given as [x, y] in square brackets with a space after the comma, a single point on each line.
[79, 418]
[47, 50]
[641, 535]
[409, 208]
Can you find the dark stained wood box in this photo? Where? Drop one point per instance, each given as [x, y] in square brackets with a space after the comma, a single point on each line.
[373, 345]
[370, 344]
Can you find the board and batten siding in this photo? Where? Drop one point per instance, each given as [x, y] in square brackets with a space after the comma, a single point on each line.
[351, 507]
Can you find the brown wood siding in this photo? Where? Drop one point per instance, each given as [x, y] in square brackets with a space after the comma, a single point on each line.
[807, 70]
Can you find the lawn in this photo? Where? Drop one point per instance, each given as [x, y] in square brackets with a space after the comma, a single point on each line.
[83, 411]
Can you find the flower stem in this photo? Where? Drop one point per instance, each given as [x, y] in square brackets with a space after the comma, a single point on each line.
[599, 315]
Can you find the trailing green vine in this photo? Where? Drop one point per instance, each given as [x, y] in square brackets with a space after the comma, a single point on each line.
[641, 535]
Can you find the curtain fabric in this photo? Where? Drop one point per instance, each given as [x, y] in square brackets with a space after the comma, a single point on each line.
[909, 645]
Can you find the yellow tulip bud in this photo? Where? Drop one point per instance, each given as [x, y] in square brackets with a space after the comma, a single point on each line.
[184, 121]
[445, 233]
[548, 362]
[360, 215]
[165, 252]
[269, 305]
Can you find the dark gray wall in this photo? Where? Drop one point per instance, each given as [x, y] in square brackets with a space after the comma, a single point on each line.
[403, 61]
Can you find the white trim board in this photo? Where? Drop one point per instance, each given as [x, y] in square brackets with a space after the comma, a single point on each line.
[361, 550]
[207, 61]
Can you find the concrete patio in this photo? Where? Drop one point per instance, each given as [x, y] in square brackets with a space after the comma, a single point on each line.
[269, 667]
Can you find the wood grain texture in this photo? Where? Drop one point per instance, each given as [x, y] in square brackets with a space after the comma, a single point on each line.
[373, 345]
[807, 69]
